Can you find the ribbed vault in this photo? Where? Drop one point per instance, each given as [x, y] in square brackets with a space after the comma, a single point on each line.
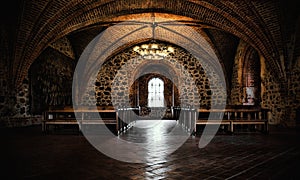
[43, 22]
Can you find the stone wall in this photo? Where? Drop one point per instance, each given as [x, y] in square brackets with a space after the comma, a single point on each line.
[15, 110]
[113, 82]
[272, 98]
[4, 86]
[21, 111]
[22, 100]
[281, 96]
[293, 104]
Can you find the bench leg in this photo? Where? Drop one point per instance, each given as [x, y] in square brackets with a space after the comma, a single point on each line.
[231, 127]
[266, 127]
[46, 128]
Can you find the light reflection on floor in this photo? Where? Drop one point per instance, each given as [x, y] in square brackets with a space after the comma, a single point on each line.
[156, 136]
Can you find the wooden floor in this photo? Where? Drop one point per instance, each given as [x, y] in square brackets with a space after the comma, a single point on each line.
[27, 153]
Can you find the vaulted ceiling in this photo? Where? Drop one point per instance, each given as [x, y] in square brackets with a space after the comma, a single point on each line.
[269, 26]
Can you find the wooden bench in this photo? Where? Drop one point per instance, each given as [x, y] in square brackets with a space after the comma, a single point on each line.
[232, 117]
[122, 118]
[189, 118]
[84, 116]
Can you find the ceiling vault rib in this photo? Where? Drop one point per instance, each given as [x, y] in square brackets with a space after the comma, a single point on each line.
[54, 20]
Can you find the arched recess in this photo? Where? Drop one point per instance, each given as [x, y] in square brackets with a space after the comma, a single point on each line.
[251, 77]
[147, 71]
[141, 92]
[50, 79]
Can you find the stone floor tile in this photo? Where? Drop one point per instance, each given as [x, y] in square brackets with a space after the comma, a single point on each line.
[27, 153]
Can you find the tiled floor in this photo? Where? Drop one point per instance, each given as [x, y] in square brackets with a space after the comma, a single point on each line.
[26, 153]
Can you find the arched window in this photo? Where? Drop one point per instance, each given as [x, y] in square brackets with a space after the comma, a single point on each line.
[156, 93]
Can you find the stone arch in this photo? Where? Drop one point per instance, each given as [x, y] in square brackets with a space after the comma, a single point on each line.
[158, 67]
[147, 70]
